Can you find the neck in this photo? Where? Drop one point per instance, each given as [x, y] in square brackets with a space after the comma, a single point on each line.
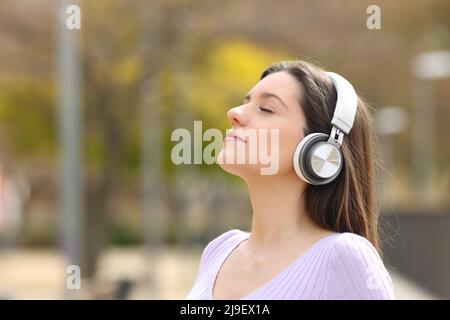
[279, 214]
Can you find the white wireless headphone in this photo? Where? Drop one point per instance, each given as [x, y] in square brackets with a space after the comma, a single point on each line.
[318, 157]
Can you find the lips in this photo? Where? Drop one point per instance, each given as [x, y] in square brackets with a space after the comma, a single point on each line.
[233, 136]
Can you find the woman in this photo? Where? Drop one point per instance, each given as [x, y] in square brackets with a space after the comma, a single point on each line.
[314, 223]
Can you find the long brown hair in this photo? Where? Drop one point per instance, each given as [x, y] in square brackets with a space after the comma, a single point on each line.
[347, 204]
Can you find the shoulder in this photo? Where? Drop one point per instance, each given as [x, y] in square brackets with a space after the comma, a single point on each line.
[348, 244]
[356, 270]
[219, 244]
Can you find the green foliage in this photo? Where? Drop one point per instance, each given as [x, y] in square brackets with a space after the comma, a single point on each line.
[121, 234]
[230, 69]
[28, 119]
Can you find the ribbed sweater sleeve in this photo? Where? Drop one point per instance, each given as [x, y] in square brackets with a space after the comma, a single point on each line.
[356, 271]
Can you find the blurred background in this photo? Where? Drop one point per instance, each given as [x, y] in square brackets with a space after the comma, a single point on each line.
[86, 118]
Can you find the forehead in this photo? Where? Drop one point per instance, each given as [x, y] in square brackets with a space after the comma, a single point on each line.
[282, 84]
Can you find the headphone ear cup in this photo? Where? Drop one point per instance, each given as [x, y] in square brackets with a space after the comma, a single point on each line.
[301, 152]
[316, 161]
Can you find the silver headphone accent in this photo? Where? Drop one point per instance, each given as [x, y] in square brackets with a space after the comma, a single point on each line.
[318, 157]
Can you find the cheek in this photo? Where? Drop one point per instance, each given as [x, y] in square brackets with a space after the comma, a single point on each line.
[289, 139]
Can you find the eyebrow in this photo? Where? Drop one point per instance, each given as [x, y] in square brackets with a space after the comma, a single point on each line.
[268, 95]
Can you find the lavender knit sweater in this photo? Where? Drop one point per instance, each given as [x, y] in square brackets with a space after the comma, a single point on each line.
[339, 266]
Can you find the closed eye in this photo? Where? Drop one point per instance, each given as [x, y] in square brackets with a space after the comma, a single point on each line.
[265, 110]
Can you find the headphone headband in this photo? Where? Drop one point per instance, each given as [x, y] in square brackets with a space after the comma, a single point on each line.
[345, 111]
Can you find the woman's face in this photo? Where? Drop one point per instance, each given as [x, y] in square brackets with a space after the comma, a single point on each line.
[271, 106]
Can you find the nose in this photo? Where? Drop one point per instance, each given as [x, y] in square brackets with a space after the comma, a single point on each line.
[237, 116]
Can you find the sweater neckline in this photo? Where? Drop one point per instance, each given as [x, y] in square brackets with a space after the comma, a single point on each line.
[243, 236]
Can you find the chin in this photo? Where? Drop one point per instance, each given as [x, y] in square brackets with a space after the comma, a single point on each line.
[238, 169]
[246, 169]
